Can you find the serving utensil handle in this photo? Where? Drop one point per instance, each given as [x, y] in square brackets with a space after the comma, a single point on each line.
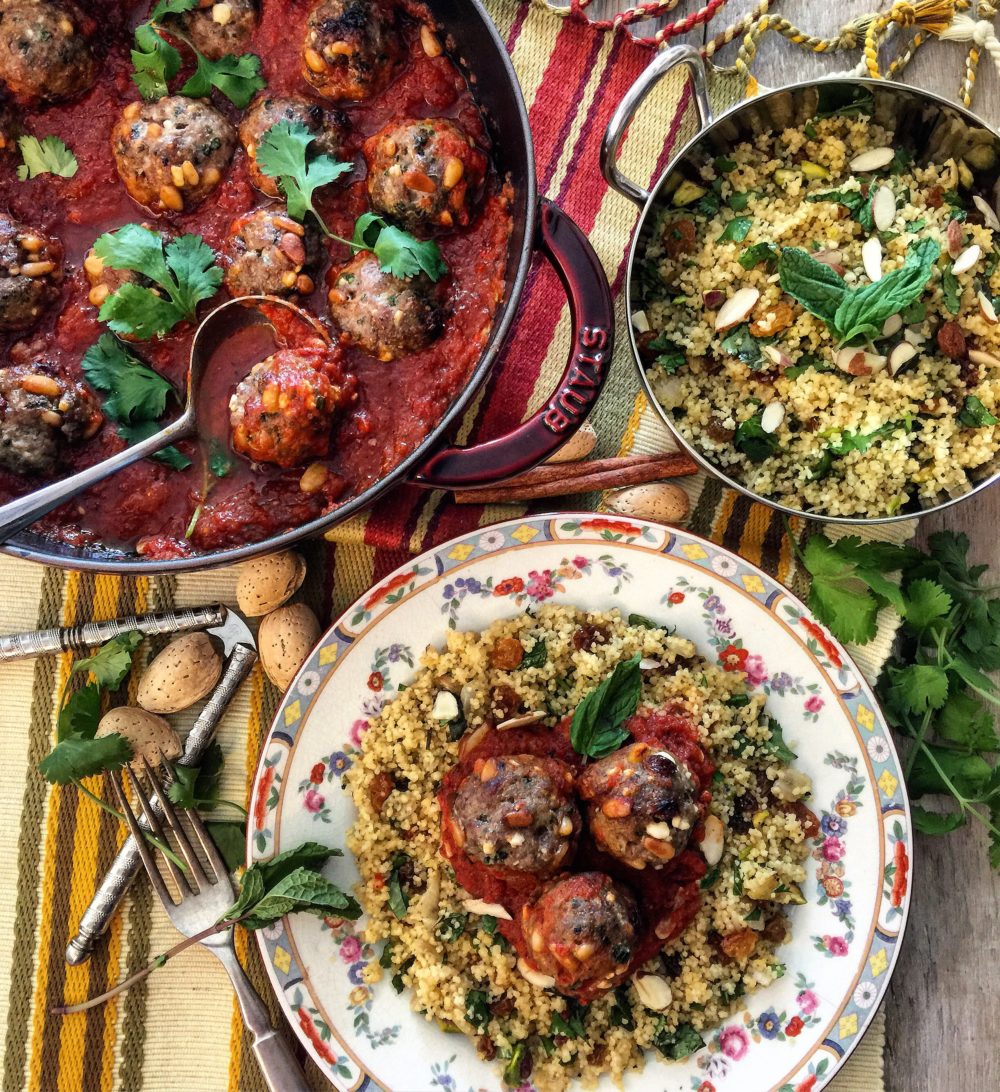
[15, 646]
[127, 863]
[635, 97]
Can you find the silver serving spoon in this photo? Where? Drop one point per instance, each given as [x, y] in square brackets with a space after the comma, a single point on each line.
[215, 329]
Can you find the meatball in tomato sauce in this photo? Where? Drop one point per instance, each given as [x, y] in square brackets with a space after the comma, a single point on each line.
[386, 316]
[46, 51]
[425, 175]
[351, 49]
[517, 812]
[172, 153]
[283, 411]
[105, 281]
[642, 804]
[216, 29]
[31, 270]
[41, 412]
[582, 930]
[269, 254]
[327, 126]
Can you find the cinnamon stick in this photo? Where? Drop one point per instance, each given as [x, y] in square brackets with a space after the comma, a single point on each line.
[566, 479]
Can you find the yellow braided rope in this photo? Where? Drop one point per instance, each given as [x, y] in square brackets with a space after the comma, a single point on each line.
[933, 16]
[735, 30]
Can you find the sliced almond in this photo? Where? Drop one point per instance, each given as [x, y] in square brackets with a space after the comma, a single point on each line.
[771, 418]
[521, 721]
[776, 356]
[486, 909]
[445, 706]
[640, 322]
[989, 213]
[883, 208]
[858, 362]
[901, 355]
[986, 308]
[649, 665]
[712, 842]
[736, 308]
[873, 159]
[653, 992]
[967, 259]
[892, 325]
[536, 978]
[955, 236]
[871, 258]
[984, 359]
[913, 336]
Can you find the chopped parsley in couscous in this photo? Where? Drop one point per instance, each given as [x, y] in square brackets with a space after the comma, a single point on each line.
[579, 840]
[819, 319]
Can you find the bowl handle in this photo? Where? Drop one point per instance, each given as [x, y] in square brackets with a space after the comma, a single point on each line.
[592, 319]
[634, 98]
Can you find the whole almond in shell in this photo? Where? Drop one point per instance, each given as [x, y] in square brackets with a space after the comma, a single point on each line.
[284, 641]
[659, 501]
[577, 447]
[150, 736]
[183, 673]
[267, 583]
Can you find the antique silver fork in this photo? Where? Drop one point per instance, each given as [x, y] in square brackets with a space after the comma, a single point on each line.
[203, 901]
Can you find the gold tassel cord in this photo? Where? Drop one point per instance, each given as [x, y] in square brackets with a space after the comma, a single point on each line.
[933, 17]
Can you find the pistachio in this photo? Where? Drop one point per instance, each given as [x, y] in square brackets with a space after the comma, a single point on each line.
[183, 673]
[285, 640]
[736, 308]
[660, 501]
[577, 447]
[150, 737]
[873, 159]
[813, 170]
[266, 583]
[687, 193]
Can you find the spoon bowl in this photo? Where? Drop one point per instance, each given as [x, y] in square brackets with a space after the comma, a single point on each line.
[214, 331]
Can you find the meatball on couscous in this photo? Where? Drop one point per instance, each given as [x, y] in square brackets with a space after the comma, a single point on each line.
[351, 49]
[269, 254]
[31, 270]
[171, 153]
[425, 175]
[517, 812]
[386, 316]
[283, 410]
[581, 930]
[327, 126]
[45, 49]
[642, 804]
[39, 413]
[217, 29]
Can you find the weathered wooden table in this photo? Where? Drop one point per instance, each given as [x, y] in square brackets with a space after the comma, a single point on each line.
[942, 1005]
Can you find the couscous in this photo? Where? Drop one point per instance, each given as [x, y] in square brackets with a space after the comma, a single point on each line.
[817, 314]
[576, 912]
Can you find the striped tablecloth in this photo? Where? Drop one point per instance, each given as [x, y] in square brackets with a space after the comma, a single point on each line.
[180, 1028]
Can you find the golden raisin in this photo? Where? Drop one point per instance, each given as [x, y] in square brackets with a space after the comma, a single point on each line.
[507, 653]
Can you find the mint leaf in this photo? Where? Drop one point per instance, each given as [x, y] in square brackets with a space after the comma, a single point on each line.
[263, 876]
[231, 841]
[399, 901]
[597, 726]
[974, 414]
[301, 891]
[820, 289]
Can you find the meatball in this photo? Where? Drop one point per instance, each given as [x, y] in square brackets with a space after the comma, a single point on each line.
[104, 281]
[425, 175]
[11, 128]
[267, 253]
[215, 29]
[39, 413]
[516, 811]
[171, 153]
[642, 804]
[385, 316]
[31, 269]
[45, 49]
[282, 412]
[327, 126]
[350, 49]
[582, 931]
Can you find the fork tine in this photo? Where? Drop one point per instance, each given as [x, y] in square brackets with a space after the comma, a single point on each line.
[183, 883]
[183, 842]
[210, 848]
[144, 852]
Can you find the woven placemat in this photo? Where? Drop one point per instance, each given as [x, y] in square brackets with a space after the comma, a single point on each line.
[180, 1029]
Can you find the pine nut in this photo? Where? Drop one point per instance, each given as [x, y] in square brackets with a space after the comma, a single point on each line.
[31, 243]
[269, 397]
[304, 285]
[93, 265]
[339, 49]
[395, 171]
[37, 269]
[191, 175]
[288, 279]
[417, 180]
[389, 147]
[50, 417]
[453, 171]
[313, 478]
[210, 176]
[41, 384]
[430, 41]
[177, 176]
[446, 219]
[287, 224]
[66, 27]
[221, 14]
[170, 198]
[488, 770]
[314, 62]
[98, 294]
[132, 111]
[154, 130]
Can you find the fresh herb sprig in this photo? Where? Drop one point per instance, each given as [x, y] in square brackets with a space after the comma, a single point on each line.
[936, 691]
[597, 727]
[283, 154]
[46, 156]
[157, 62]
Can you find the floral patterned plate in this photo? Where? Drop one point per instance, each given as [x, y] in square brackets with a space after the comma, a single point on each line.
[794, 1035]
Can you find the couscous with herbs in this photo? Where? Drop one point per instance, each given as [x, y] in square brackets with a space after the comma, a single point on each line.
[818, 317]
[579, 841]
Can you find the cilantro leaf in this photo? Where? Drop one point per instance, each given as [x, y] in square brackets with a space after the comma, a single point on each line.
[155, 62]
[753, 441]
[398, 252]
[219, 462]
[968, 773]
[76, 757]
[170, 456]
[736, 230]
[935, 822]
[238, 78]
[198, 786]
[80, 713]
[926, 602]
[967, 723]
[777, 745]
[135, 392]
[917, 688]
[597, 726]
[282, 154]
[112, 661]
[46, 156]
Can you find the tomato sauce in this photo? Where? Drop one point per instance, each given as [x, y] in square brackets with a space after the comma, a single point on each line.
[150, 506]
[668, 897]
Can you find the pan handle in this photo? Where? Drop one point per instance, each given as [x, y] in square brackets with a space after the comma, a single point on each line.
[634, 98]
[593, 321]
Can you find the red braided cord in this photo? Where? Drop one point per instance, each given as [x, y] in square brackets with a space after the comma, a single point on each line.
[649, 10]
